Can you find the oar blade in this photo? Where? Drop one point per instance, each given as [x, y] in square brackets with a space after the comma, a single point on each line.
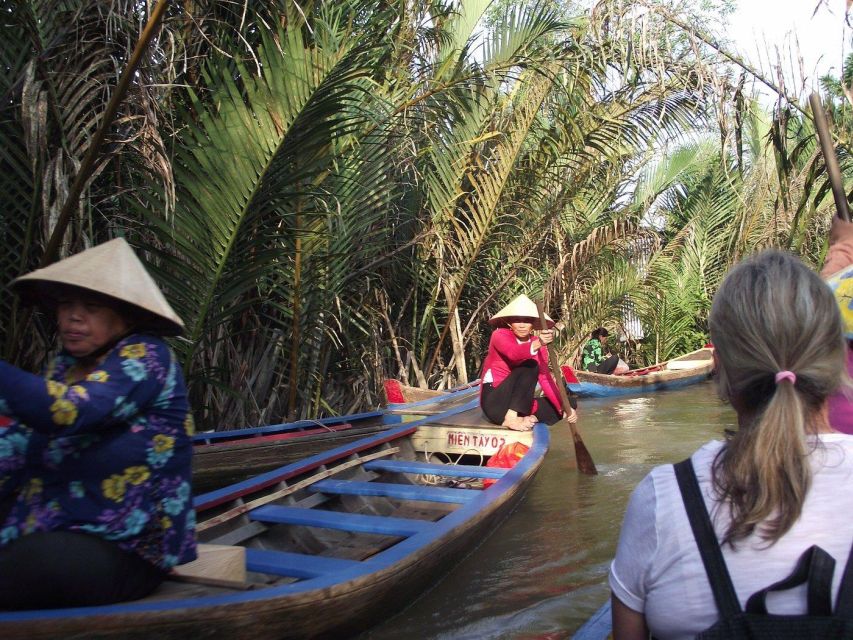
[584, 459]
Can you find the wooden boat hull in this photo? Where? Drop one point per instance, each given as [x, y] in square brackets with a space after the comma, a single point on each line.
[225, 457]
[330, 603]
[688, 369]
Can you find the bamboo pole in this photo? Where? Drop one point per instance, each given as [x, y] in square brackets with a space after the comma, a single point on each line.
[829, 157]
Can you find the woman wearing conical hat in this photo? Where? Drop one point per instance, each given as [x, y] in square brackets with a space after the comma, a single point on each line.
[95, 497]
[517, 360]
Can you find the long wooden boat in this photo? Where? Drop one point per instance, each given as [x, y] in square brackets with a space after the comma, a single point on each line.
[333, 544]
[685, 370]
[221, 458]
[224, 457]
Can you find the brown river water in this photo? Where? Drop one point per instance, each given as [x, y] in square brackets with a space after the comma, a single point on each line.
[543, 571]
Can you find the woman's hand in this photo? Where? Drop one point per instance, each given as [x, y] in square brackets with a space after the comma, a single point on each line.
[840, 231]
[546, 336]
[570, 417]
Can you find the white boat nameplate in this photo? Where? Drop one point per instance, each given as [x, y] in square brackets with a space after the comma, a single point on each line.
[474, 441]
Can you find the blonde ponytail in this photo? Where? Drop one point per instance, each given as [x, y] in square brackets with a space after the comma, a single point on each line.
[772, 314]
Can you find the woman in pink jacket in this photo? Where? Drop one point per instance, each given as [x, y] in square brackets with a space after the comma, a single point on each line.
[517, 360]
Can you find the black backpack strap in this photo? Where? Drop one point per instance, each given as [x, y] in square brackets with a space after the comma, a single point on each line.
[703, 531]
[844, 602]
[816, 567]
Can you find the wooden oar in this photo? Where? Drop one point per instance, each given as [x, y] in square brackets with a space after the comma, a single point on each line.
[584, 460]
[829, 158]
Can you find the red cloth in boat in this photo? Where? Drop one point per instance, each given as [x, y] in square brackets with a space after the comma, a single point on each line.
[506, 352]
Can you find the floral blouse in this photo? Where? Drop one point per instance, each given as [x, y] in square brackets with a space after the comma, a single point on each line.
[109, 454]
[593, 354]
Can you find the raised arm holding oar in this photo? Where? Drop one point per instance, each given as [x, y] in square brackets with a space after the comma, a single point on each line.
[584, 459]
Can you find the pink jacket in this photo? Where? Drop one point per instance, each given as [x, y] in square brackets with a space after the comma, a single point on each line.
[838, 256]
[506, 353]
[840, 407]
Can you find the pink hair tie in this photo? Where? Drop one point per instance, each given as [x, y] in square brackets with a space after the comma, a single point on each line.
[786, 375]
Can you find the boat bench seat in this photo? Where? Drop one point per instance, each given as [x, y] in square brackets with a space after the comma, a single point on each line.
[449, 470]
[355, 522]
[294, 565]
[398, 491]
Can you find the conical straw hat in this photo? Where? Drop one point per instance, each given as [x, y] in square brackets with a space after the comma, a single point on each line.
[111, 269]
[841, 284]
[521, 309]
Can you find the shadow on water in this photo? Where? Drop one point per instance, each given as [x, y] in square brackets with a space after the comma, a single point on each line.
[543, 572]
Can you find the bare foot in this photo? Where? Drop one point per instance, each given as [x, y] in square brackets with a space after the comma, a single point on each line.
[517, 424]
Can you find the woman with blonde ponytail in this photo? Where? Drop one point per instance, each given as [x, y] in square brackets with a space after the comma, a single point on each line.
[779, 486]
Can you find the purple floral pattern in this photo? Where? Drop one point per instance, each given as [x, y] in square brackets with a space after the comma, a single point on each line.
[109, 452]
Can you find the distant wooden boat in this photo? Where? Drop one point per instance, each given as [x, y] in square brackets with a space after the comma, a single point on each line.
[330, 545]
[221, 458]
[685, 370]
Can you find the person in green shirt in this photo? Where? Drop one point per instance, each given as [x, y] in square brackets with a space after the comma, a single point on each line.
[596, 357]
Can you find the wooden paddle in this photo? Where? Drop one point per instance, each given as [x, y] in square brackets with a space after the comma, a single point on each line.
[584, 460]
[829, 158]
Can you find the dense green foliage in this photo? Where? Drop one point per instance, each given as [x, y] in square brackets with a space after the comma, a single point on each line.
[331, 193]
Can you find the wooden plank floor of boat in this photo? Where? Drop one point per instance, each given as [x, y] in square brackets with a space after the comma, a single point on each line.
[361, 546]
[335, 544]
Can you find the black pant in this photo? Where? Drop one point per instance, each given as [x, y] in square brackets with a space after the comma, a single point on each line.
[53, 569]
[607, 366]
[516, 392]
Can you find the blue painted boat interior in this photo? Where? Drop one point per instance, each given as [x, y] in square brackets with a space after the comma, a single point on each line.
[355, 522]
[295, 467]
[396, 491]
[447, 470]
[323, 572]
